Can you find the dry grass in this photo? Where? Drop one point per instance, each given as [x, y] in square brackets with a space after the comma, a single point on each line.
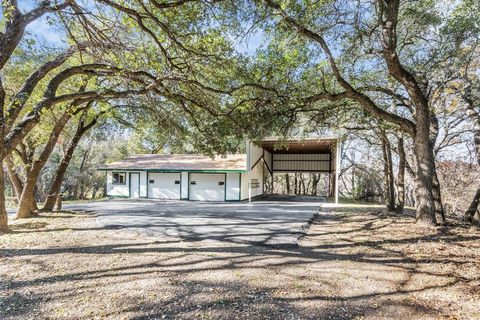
[355, 263]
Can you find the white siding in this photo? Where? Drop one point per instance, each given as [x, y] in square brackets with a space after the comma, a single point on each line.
[301, 162]
[143, 184]
[244, 187]
[268, 159]
[184, 180]
[233, 186]
[117, 190]
[255, 175]
[254, 153]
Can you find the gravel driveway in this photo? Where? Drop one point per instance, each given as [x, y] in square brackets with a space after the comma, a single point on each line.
[259, 222]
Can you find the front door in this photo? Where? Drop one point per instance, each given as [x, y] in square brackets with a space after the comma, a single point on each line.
[135, 185]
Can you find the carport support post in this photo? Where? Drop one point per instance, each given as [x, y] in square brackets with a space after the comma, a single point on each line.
[337, 168]
[249, 192]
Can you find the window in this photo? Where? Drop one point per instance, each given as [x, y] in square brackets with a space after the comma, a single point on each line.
[221, 183]
[119, 178]
[151, 181]
[177, 181]
[193, 182]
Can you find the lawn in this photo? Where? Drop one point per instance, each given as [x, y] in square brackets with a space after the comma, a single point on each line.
[354, 262]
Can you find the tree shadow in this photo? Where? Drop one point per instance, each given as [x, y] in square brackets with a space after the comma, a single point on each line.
[364, 241]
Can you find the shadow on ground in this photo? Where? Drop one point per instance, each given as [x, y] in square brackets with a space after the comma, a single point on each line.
[361, 263]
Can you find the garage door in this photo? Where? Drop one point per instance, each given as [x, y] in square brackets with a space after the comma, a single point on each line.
[164, 185]
[207, 187]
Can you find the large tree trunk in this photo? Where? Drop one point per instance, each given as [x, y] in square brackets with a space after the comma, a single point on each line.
[28, 194]
[475, 119]
[401, 176]
[388, 12]
[14, 178]
[437, 197]
[58, 203]
[54, 190]
[25, 208]
[424, 200]
[388, 172]
[3, 210]
[436, 191]
[3, 206]
[18, 184]
[473, 214]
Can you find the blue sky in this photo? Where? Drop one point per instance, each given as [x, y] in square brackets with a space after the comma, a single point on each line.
[251, 43]
[40, 28]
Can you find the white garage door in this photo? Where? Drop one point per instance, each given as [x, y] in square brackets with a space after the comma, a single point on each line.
[164, 185]
[207, 187]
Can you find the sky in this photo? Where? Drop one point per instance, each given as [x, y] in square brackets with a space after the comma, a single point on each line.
[52, 36]
[40, 29]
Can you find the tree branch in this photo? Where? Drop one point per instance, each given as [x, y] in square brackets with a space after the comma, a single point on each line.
[21, 97]
[350, 92]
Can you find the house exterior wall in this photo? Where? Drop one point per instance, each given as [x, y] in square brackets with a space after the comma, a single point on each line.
[143, 184]
[255, 176]
[244, 186]
[233, 186]
[254, 153]
[123, 190]
[184, 181]
[117, 190]
[268, 158]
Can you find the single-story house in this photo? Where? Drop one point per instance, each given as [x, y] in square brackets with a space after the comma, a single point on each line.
[222, 178]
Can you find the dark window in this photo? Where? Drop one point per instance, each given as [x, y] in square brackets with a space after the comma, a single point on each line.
[193, 182]
[177, 181]
[221, 183]
[151, 181]
[119, 178]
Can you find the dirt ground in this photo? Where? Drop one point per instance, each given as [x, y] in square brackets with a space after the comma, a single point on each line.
[354, 263]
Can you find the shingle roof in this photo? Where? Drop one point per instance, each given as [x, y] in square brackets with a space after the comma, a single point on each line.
[180, 162]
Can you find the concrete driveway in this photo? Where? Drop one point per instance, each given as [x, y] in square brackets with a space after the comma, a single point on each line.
[259, 222]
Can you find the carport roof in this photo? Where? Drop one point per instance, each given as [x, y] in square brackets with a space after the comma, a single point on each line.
[305, 145]
[180, 162]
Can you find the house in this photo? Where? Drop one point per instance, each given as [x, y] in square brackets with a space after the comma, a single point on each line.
[230, 178]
